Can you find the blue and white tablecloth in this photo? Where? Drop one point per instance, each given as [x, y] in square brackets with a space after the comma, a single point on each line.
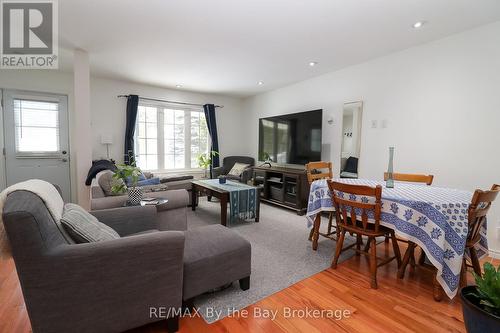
[434, 218]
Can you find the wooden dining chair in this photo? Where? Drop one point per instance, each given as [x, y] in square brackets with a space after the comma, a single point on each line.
[352, 217]
[321, 170]
[478, 209]
[410, 177]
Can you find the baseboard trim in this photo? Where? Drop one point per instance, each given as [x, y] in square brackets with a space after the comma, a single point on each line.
[494, 254]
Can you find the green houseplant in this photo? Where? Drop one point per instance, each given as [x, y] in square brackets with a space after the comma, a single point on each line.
[481, 303]
[128, 174]
[205, 160]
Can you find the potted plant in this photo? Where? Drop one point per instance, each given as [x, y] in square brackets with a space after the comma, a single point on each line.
[481, 303]
[128, 174]
[266, 158]
[205, 160]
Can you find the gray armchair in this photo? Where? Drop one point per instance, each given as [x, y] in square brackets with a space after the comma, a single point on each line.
[228, 163]
[93, 287]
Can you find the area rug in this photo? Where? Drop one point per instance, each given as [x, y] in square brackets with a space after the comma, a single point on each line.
[281, 256]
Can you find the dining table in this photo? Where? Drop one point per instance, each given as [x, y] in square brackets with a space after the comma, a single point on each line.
[434, 218]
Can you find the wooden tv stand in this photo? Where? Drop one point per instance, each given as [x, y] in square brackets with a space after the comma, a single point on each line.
[285, 187]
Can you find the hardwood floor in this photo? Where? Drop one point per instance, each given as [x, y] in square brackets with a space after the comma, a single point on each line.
[396, 306]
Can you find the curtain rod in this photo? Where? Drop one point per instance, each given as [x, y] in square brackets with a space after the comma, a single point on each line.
[172, 102]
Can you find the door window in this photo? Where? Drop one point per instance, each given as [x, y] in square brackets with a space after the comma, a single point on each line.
[36, 127]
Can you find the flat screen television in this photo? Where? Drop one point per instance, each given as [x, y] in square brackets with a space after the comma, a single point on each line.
[291, 138]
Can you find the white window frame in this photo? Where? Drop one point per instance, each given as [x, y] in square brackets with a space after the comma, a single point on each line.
[39, 154]
[161, 107]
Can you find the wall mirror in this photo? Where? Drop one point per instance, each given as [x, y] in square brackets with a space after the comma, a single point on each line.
[351, 139]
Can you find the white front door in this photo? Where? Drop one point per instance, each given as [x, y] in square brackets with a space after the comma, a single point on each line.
[36, 138]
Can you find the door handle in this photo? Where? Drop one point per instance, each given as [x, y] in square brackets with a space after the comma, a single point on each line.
[64, 152]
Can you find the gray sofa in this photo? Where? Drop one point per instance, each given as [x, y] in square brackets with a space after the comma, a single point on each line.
[228, 163]
[111, 286]
[99, 200]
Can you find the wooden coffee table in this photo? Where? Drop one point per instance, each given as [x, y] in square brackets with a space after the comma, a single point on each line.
[223, 195]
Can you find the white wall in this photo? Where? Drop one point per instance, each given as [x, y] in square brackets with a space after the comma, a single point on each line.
[442, 105]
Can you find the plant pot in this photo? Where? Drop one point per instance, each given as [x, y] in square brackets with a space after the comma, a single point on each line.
[476, 319]
[134, 195]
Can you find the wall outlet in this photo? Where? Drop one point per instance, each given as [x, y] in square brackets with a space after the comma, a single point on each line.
[374, 123]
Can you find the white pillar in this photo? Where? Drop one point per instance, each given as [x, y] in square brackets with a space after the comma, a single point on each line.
[82, 137]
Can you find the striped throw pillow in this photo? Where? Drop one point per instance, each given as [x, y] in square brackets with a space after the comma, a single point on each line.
[83, 227]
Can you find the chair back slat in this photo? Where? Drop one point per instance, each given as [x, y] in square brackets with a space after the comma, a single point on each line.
[319, 170]
[478, 209]
[346, 206]
[410, 177]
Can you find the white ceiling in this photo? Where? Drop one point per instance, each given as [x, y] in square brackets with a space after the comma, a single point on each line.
[227, 46]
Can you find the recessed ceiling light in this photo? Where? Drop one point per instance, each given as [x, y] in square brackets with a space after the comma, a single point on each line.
[260, 83]
[178, 85]
[313, 63]
[419, 24]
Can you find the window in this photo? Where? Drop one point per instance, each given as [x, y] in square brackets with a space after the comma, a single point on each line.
[170, 138]
[36, 126]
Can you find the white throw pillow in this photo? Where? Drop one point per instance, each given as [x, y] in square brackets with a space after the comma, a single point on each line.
[238, 169]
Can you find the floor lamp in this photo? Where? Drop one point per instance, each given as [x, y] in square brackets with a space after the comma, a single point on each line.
[107, 139]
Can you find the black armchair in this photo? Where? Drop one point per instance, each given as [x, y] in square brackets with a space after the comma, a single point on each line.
[227, 165]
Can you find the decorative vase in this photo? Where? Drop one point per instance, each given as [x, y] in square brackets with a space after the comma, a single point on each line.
[390, 169]
[134, 195]
[222, 179]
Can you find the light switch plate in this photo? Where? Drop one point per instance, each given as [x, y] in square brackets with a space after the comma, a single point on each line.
[385, 123]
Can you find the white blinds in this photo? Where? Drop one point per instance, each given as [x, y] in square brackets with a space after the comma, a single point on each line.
[36, 126]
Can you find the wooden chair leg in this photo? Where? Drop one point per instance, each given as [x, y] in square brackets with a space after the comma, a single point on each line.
[367, 246]
[395, 247]
[412, 259]
[311, 234]
[475, 260]
[437, 290]
[421, 259]
[406, 259]
[463, 274]
[338, 249]
[373, 262]
[386, 239]
[359, 241]
[330, 219]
